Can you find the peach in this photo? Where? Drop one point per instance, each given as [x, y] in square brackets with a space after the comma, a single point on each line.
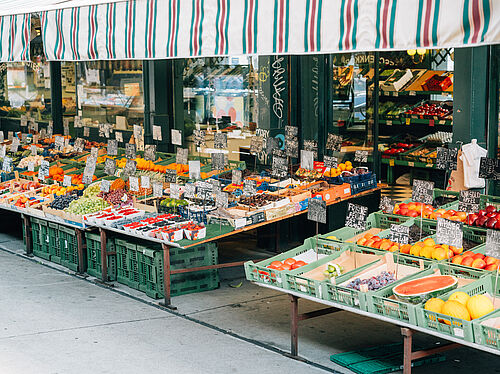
[478, 256]
[490, 260]
[362, 241]
[385, 245]
[491, 267]
[468, 253]
[405, 248]
[369, 242]
[478, 264]
[456, 250]
[467, 261]
[457, 259]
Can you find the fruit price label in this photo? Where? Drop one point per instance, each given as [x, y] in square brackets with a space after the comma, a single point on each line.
[145, 182]
[10, 135]
[157, 133]
[361, 156]
[422, 191]
[109, 166]
[194, 169]
[77, 122]
[446, 159]
[34, 150]
[66, 126]
[181, 156]
[1, 137]
[130, 167]
[15, 144]
[489, 168]
[387, 204]
[107, 130]
[399, 234]
[175, 191]
[94, 152]
[157, 189]
[176, 136]
[218, 161]
[236, 177]
[316, 210]
[150, 152]
[492, 243]
[271, 145]
[256, 145]
[31, 166]
[79, 145]
[24, 138]
[34, 126]
[138, 133]
[105, 185]
[86, 132]
[222, 199]
[311, 145]
[216, 186]
[43, 171]
[220, 140]
[199, 137]
[35, 138]
[356, 216]
[291, 141]
[24, 120]
[291, 131]
[171, 176]
[119, 136]
[67, 181]
[134, 183]
[279, 167]
[204, 188]
[7, 164]
[306, 159]
[130, 151]
[449, 232]
[468, 201]
[249, 187]
[189, 190]
[112, 147]
[3, 151]
[334, 142]
[59, 142]
[330, 162]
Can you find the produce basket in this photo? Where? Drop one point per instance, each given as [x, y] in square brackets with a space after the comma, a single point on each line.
[53, 242]
[485, 200]
[487, 330]
[39, 237]
[94, 266]
[453, 326]
[68, 247]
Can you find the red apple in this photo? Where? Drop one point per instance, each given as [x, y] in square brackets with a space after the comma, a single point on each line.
[467, 261]
[482, 212]
[477, 256]
[478, 264]
[471, 218]
[490, 209]
[481, 221]
[491, 223]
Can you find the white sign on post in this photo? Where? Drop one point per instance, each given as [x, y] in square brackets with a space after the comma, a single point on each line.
[176, 136]
[145, 182]
[307, 159]
[134, 183]
[157, 133]
[67, 181]
[194, 169]
[157, 189]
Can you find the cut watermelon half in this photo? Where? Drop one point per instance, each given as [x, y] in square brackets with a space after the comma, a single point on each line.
[419, 290]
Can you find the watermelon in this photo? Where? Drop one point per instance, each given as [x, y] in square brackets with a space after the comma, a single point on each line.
[420, 290]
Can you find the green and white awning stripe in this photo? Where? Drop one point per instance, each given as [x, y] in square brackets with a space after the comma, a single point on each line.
[157, 29]
[15, 37]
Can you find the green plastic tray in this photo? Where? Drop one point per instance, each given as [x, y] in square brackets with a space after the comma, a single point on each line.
[69, 247]
[94, 266]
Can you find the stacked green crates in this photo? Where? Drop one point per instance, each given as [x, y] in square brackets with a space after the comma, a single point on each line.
[39, 236]
[94, 266]
[68, 247]
[54, 246]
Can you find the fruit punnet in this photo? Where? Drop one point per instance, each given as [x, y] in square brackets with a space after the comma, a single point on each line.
[420, 290]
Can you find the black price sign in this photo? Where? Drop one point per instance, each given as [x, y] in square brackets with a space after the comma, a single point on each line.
[334, 142]
[291, 141]
[199, 137]
[256, 145]
[221, 199]
[256, 218]
[271, 145]
[489, 168]
[399, 234]
[330, 162]
[218, 161]
[130, 151]
[316, 210]
[150, 152]
[181, 157]
[249, 187]
[112, 147]
[449, 232]
[130, 168]
[109, 166]
[171, 176]
[307, 159]
[356, 216]
[311, 145]
[236, 176]
[361, 156]
[468, 201]
[387, 204]
[446, 159]
[422, 191]
[220, 140]
[492, 243]
[279, 167]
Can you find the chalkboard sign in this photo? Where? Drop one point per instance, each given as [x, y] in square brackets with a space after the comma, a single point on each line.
[109, 166]
[236, 176]
[489, 168]
[356, 216]
[492, 243]
[94, 152]
[256, 218]
[468, 201]
[249, 187]
[133, 183]
[175, 191]
[399, 234]
[130, 151]
[422, 191]
[150, 152]
[176, 136]
[157, 189]
[34, 150]
[86, 132]
[218, 161]
[220, 141]
[7, 164]
[171, 176]
[189, 190]
[279, 167]
[446, 159]
[130, 168]
[112, 147]
[15, 145]
[43, 171]
[311, 145]
[119, 137]
[181, 157]
[67, 181]
[194, 169]
[307, 159]
[105, 185]
[79, 145]
[449, 232]
[361, 156]
[221, 199]
[256, 145]
[199, 137]
[334, 142]
[387, 204]
[330, 162]
[316, 210]
[271, 145]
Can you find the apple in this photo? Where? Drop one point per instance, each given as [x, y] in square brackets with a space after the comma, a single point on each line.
[477, 256]
[491, 223]
[457, 259]
[467, 261]
[497, 226]
[491, 215]
[478, 264]
[471, 219]
[490, 209]
[481, 221]
[468, 253]
[491, 267]
[456, 250]
[490, 260]
[481, 212]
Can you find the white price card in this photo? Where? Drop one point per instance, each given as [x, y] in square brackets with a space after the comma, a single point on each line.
[157, 189]
[134, 183]
[176, 136]
[145, 181]
[67, 181]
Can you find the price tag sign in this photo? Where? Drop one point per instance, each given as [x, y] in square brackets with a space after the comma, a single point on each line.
[112, 147]
[66, 126]
[15, 145]
[86, 132]
[34, 150]
[204, 188]
[134, 183]
[311, 145]
[194, 169]
[271, 145]
[493, 243]
[408, 121]
[316, 210]
[119, 136]
[31, 166]
[221, 199]
[216, 186]
[77, 122]
[7, 164]
[330, 162]
[236, 177]
[256, 145]
[150, 152]
[24, 120]
[79, 145]
[399, 234]
[334, 142]
[249, 187]
[94, 152]
[292, 147]
[279, 167]
[3, 150]
[387, 204]
[446, 159]
[176, 136]
[449, 232]
[130, 151]
[43, 171]
[468, 201]
[489, 168]
[171, 176]
[130, 167]
[306, 159]
[218, 161]
[220, 140]
[107, 130]
[145, 181]
[1, 137]
[157, 133]
[422, 191]
[356, 216]
[175, 191]
[157, 189]
[189, 190]
[35, 138]
[199, 137]
[181, 156]
[105, 185]
[361, 156]
[67, 181]
[10, 135]
[109, 166]
[89, 170]
[24, 138]
[291, 132]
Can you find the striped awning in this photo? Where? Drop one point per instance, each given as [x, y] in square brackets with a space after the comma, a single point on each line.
[15, 33]
[158, 29]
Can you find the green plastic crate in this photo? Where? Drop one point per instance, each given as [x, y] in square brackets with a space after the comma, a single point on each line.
[458, 328]
[54, 243]
[485, 200]
[38, 236]
[487, 335]
[69, 247]
[122, 248]
[94, 266]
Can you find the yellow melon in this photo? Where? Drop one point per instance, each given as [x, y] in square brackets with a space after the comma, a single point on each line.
[459, 296]
[455, 309]
[479, 305]
[434, 305]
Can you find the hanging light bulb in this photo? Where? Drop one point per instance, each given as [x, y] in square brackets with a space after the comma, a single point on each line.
[421, 51]
[411, 52]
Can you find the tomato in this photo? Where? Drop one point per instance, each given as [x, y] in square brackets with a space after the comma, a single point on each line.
[276, 264]
[289, 261]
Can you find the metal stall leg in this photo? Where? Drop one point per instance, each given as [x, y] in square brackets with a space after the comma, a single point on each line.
[294, 325]
[104, 256]
[166, 277]
[27, 232]
[407, 349]
[82, 255]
